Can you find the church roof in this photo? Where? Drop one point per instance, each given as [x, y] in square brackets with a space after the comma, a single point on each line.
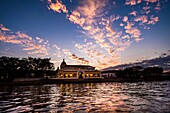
[63, 64]
[78, 66]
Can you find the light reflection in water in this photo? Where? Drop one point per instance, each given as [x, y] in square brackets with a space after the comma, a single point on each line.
[89, 97]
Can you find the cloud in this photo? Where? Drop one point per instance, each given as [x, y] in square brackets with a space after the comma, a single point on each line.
[23, 35]
[66, 52]
[152, 1]
[109, 28]
[76, 19]
[143, 19]
[120, 43]
[157, 8]
[58, 48]
[10, 39]
[109, 61]
[91, 9]
[4, 28]
[106, 32]
[125, 19]
[106, 36]
[134, 13]
[128, 26]
[132, 2]
[134, 32]
[82, 60]
[87, 27]
[162, 61]
[90, 16]
[90, 49]
[146, 8]
[57, 7]
[126, 37]
[40, 40]
[153, 20]
[74, 57]
[32, 46]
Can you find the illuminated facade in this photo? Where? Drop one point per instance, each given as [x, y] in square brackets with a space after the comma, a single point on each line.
[77, 71]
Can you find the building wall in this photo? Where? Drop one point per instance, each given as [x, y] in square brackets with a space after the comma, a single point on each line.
[75, 74]
[108, 75]
[78, 68]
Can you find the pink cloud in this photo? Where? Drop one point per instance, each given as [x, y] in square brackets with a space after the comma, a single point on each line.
[57, 7]
[74, 57]
[152, 1]
[23, 35]
[109, 61]
[153, 20]
[87, 15]
[89, 49]
[121, 24]
[82, 60]
[87, 27]
[143, 19]
[76, 19]
[56, 47]
[91, 9]
[126, 37]
[125, 19]
[4, 28]
[40, 40]
[2, 37]
[14, 41]
[128, 26]
[91, 17]
[134, 13]
[109, 28]
[32, 46]
[157, 8]
[130, 2]
[146, 8]
[139, 1]
[134, 32]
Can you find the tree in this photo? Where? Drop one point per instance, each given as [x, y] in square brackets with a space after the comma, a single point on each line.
[11, 67]
[153, 71]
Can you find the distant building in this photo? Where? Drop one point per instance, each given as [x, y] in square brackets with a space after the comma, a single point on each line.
[109, 74]
[77, 71]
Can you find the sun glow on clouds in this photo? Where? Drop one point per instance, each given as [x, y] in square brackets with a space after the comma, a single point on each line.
[106, 32]
[36, 46]
[107, 40]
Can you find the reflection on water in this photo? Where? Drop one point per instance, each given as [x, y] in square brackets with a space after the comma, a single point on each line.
[89, 97]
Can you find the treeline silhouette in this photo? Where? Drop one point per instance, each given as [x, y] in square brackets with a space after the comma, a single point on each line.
[140, 72]
[11, 67]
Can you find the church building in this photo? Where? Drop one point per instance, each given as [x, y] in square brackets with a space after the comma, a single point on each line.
[77, 71]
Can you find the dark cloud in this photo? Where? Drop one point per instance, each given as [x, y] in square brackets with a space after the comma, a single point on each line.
[162, 61]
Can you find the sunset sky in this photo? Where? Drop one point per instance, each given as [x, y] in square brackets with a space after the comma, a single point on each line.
[100, 33]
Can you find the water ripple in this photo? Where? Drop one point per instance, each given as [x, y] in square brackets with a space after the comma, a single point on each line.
[151, 97]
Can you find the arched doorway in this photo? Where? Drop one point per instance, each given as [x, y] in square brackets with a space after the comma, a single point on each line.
[80, 74]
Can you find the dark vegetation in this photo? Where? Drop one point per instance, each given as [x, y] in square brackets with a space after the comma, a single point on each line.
[140, 72]
[11, 67]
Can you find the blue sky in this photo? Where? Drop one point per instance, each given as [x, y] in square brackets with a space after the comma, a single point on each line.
[101, 33]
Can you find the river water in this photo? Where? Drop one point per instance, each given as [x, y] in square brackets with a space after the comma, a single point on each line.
[150, 97]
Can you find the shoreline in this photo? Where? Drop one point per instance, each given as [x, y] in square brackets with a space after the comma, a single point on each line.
[79, 81]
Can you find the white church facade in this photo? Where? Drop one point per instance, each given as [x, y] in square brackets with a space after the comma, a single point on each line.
[77, 71]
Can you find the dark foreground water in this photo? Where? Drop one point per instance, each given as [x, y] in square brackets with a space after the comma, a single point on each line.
[151, 97]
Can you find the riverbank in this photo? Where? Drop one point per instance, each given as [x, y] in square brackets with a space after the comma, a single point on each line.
[40, 81]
